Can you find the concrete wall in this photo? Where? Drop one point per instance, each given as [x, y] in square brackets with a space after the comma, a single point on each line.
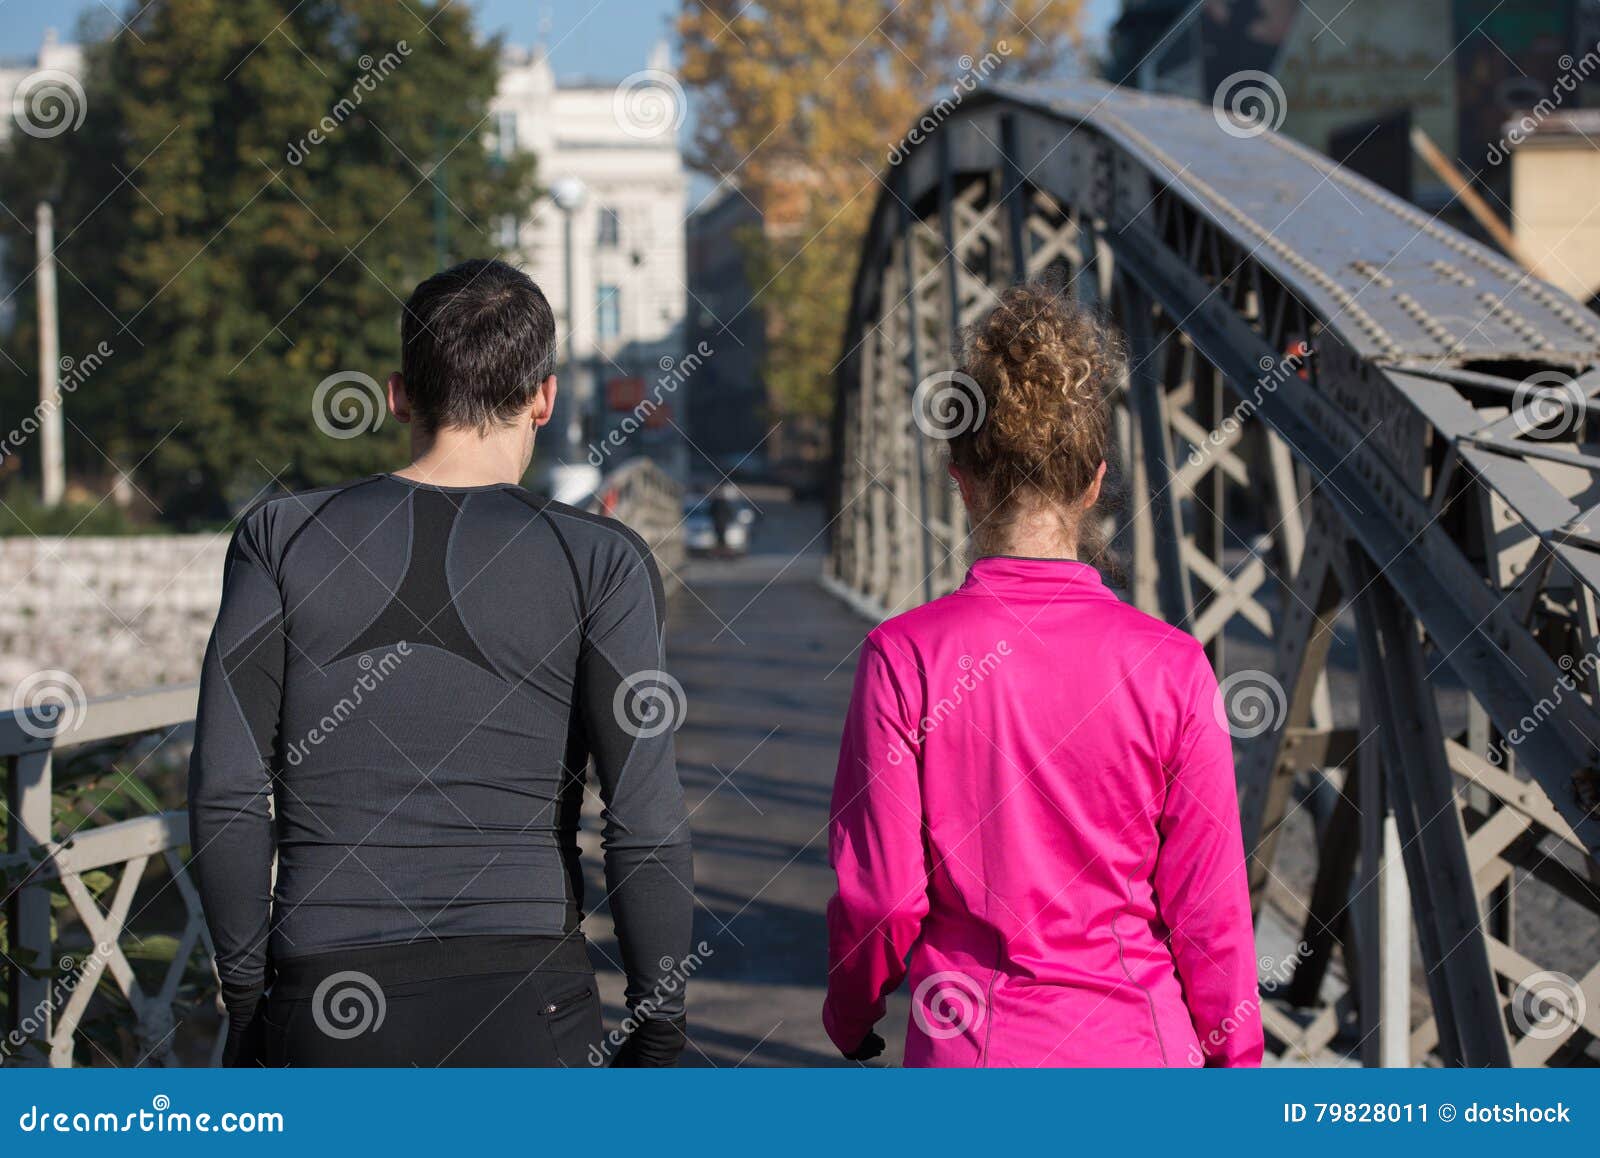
[117, 613]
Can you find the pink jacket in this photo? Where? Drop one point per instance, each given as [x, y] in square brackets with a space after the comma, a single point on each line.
[1036, 802]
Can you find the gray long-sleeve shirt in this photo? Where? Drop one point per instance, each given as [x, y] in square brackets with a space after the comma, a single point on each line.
[403, 691]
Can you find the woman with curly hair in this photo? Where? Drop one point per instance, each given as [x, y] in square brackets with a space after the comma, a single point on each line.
[1035, 800]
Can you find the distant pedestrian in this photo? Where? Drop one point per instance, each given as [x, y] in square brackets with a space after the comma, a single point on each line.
[723, 514]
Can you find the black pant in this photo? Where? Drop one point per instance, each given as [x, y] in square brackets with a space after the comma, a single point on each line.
[462, 1001]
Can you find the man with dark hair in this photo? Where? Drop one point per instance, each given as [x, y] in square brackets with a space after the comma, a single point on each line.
[408, 679]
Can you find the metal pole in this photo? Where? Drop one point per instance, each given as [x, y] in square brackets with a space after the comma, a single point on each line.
[51, 446]
[575, 408]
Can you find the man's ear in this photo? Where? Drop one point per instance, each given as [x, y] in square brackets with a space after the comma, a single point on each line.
[399, 403]
[544, 401]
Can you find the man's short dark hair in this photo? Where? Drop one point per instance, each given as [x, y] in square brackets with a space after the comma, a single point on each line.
[476, 341]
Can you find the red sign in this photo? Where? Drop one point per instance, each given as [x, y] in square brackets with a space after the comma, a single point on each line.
[624, 393]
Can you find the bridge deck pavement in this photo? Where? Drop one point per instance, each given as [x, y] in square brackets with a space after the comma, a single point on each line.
[766, 659]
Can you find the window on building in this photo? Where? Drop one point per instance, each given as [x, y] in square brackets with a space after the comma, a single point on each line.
[505, 231]
[610, 228]
[608, 310]
[505, 132]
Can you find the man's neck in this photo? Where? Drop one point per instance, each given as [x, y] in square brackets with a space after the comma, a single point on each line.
[464, 458]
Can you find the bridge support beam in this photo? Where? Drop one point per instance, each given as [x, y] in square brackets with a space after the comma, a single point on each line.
[1419, 784]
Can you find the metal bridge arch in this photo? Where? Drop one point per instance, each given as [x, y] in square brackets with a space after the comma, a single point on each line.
[1424, 482]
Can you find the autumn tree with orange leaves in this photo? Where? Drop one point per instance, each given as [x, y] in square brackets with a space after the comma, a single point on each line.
[802, 104]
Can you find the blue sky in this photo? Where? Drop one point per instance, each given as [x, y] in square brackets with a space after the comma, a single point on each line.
[606, 38]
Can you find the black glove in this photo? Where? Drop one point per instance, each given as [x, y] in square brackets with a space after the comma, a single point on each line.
[653, 1045]
[247, 1038]
[871, 1046]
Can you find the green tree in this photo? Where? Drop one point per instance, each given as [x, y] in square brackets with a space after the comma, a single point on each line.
[802, 103]
[255, 188]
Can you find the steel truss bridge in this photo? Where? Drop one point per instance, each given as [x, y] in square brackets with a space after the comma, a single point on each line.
[1341, 419]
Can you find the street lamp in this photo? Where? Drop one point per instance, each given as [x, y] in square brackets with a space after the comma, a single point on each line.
[569, 195]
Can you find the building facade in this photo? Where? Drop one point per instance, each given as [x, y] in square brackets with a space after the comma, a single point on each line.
[609, 151]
